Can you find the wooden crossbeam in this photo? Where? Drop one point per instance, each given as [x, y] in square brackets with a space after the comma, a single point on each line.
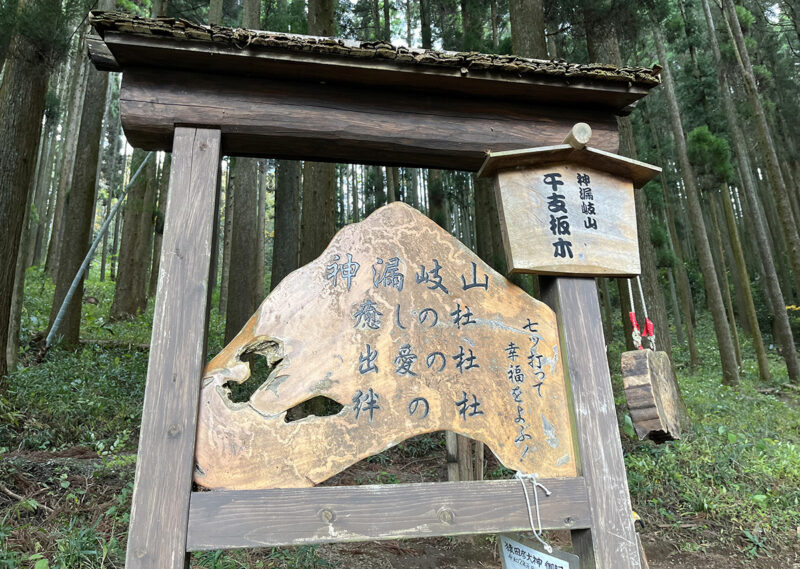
[284, 118]
[323, 514]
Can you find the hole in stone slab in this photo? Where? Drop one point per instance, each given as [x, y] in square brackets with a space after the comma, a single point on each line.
[319, 406]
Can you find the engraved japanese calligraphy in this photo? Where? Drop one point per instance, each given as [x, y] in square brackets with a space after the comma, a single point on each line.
[565, 218]
[427, 338]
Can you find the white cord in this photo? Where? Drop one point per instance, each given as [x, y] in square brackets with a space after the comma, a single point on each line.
[536, 533]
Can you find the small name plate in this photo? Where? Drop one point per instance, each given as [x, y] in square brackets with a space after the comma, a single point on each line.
[519, 552]
[568, 219]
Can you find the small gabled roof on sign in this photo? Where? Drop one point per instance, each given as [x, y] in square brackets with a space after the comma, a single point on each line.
[639, 172]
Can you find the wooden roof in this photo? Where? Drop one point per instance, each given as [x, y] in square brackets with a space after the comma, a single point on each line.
[638, 172]
[131, 41]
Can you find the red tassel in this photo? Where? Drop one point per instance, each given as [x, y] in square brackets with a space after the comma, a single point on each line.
[649, 328]
[632, 316]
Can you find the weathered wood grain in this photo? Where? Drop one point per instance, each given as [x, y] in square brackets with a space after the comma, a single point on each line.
[281, 118]
[611, 542]
[100, 55]
[159, 514]
[589, 230]
[403, 353]
[265, 518]
[652, 394]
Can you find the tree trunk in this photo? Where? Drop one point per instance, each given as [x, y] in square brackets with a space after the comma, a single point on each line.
[387, 20]
[409, 28]
[675, 307]
[392, 185]
[608, 315]
[22, 98]
[79, 207]
[730, 372]
[741, 269]
[226, 240]
[163, 195]
[243, 298]
[783, 331]
[765, 142]
[67, 161]
[215, 12]
[42, 191]
[495, 30]
[722, 273]
[425, 23]
[12, 346]
[112, 273]
[318, 213]
[133, 263]
[251, 14]
[527, 28]
[318, 210]
[261, 230]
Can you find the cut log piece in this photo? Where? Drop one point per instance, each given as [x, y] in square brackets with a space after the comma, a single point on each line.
[652, 394]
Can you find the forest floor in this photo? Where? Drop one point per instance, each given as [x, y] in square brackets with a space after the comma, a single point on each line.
[727, 495]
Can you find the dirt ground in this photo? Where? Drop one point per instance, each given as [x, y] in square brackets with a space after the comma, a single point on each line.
[480, 553]
[34, 474]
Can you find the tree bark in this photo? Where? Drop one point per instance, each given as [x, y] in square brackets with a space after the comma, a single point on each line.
[730, 372]
[318, 211]
[527, 28]
[226, 241]
[163, 195]
[22, 98]
[133, 262]
[425, 23]
[387, 20]
[79, 207]
[215, 12]
[783, 331]
[722, 273]
[741, 269]
[67, 161]
[261, 230]
[12, 346]
[243, 297]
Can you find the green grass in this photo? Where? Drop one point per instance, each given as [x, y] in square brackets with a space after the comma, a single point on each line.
[735, 477]
[737, 472]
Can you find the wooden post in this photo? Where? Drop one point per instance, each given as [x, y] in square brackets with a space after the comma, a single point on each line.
[159, 515]
[611, 541]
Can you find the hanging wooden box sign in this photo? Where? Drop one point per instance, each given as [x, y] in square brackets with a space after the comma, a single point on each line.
[568, 211]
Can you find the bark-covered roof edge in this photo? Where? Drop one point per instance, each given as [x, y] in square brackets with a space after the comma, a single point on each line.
[184, 30]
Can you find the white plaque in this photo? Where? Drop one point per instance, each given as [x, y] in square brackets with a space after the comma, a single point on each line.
[519, 552]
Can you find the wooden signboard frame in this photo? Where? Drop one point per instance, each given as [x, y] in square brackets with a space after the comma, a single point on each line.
[168, 520]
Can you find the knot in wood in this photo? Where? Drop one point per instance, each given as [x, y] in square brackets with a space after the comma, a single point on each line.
[446, 516]
[173, 431]
[327, 515]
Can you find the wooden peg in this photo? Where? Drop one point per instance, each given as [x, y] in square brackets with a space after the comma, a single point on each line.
[579, 136]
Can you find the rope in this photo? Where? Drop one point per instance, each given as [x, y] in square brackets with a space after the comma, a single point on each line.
[536, 533]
